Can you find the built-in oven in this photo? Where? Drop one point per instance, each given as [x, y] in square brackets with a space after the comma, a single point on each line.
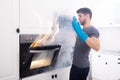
[47, 50]
[37, 59]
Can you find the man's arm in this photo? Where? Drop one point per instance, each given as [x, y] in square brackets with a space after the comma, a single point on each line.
[93, 43]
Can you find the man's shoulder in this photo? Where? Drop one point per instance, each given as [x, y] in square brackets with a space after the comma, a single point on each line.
[92, 31]
[91, 28]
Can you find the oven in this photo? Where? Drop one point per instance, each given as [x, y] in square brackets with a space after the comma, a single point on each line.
[47, 51]
[37, 59]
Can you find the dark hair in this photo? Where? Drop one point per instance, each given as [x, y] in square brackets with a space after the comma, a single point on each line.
[85, 11]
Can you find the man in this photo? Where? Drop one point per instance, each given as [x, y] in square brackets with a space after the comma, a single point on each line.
[87, 38]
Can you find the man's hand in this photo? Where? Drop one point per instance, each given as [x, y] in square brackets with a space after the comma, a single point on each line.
[76, 26]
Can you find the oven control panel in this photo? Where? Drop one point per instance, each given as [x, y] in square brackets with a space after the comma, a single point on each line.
[28, 38]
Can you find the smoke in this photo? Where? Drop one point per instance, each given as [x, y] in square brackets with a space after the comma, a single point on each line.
[66, 39]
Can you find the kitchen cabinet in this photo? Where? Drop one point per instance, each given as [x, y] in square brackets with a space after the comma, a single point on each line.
[105, 66]
[34, 17]
[99, 65]
[58, 74]
[113, 67]
[9, 48]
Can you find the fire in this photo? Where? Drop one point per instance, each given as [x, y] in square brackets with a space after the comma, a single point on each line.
[49, 36]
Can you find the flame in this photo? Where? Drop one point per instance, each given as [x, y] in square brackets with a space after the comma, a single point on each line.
[43, 39]
[56, 26]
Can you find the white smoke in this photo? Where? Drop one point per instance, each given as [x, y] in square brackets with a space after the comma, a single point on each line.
[66, 39]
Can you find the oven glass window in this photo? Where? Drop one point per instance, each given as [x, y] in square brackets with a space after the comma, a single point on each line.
[41, 59]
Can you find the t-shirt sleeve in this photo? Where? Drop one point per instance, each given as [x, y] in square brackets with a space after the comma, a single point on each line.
[94, 33]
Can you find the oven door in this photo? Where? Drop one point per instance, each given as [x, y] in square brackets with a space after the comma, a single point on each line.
[37, 60]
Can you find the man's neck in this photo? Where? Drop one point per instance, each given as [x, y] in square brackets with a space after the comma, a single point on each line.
[87, 24]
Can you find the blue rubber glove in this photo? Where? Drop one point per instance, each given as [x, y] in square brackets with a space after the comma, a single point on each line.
[76, 26]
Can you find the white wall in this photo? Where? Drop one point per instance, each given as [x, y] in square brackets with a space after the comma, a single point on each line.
[37, 13]
[109, 38]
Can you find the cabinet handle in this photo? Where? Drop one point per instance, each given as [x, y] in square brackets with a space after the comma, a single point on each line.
[106, 63]
[98, 55]
[118, 58]
[18, 30]
[118, 62]
[52, 76]
[55, 75]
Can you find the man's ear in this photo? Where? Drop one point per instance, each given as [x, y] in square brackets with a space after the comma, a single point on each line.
[87, 15]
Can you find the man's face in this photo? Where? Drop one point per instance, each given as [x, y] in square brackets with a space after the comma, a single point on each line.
[82, 18]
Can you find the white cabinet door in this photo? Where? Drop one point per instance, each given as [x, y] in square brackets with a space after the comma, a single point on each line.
[9, 60]
[113, 67]
[42, 76]
[99, 65]
[35, 16]
[28, 18]
[63, 74]
[59, 74]
[105, 67]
